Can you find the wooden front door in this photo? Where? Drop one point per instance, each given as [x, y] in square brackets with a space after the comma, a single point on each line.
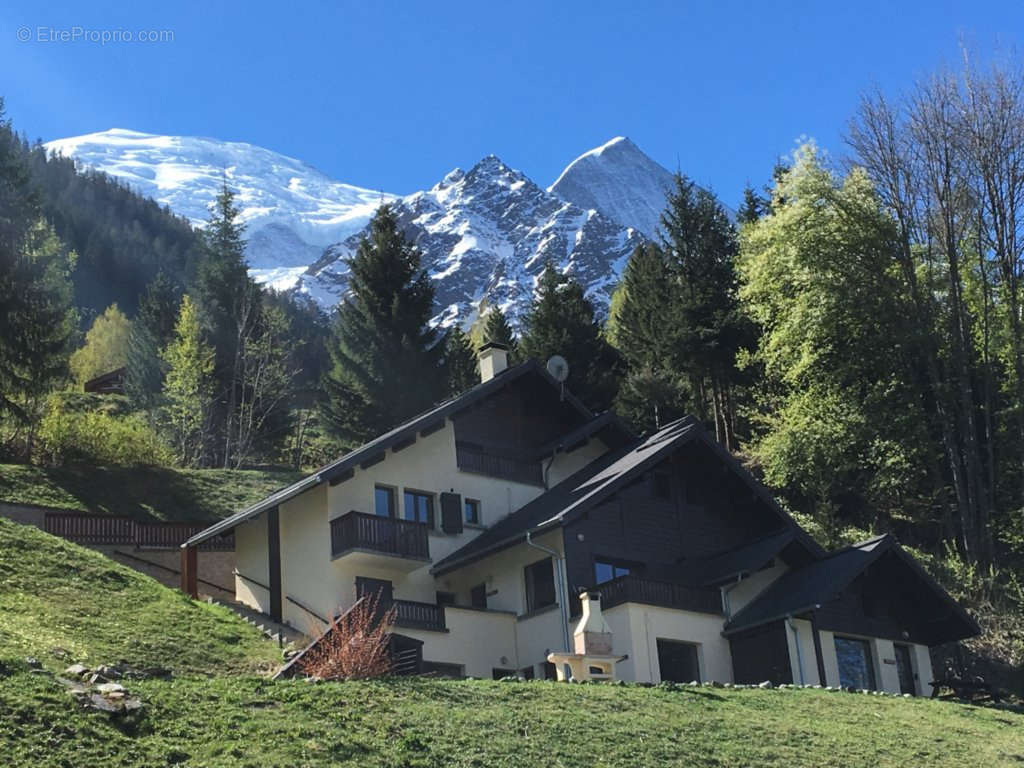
[678, 661]
[905, 669]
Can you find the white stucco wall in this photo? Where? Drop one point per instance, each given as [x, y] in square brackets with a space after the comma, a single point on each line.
[636, 629]
[742, 592]
[480, 641]
[883, 659]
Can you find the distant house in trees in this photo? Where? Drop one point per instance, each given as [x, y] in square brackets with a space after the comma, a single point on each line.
[110, 383]
[483, 520]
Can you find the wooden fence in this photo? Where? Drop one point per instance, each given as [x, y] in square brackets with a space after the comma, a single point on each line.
[99, 529]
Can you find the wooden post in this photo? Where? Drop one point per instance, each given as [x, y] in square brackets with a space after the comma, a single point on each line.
[190, 572]
[817, 648]
[274, 564]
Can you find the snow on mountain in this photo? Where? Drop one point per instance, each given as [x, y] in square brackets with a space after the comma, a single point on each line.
[619, 180]
[485, 235]
[291, 210]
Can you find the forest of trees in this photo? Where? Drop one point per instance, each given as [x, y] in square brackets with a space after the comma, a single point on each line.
[855, 334]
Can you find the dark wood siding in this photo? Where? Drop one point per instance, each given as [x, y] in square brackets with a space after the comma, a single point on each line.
[707, 510]
[888, 601]
[761, 654]
[512, 426]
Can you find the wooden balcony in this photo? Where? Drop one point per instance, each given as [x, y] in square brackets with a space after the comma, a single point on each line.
[361, 538]
[636, 589]
[471, 457]
[415, 615]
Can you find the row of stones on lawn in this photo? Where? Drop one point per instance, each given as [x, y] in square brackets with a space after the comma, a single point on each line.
[669, 685]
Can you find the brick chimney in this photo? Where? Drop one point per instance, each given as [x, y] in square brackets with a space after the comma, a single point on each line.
[493, 360]
[591, 635]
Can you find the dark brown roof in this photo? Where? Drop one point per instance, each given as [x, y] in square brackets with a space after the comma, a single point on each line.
[424, 423]
[808, 588]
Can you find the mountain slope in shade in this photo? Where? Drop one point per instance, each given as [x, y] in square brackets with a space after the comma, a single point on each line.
[619, 180]
[291, 210]
[485, 235]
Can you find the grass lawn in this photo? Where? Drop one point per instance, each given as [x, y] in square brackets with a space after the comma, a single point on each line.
[252, 722]
[202, 495]
[219, 711]
[54, 594]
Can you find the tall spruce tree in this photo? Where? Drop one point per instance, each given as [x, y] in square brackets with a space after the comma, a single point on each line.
[561, 322]
[701, 245]
[461, 360]
[37, 320]
[387, 363]
[644, 327]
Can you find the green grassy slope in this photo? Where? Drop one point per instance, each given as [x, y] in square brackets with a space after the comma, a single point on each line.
[217, 712]
[142, 492]
[54, 594]
[248, 722]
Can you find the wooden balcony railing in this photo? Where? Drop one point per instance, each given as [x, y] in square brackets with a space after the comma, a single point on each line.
[636, 589]
[108, 530]
[358, 530]
[415, 615]
[474, 458]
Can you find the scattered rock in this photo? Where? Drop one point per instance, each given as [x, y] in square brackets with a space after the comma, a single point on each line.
[106, 688]
[76, 670]
[33, 662]
[60, 653]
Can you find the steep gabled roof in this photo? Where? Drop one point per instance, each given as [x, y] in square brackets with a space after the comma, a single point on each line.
[598, 480]
[812, 586]
[423, 424]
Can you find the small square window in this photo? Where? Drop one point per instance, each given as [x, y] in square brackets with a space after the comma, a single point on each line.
[606, 570]
[384, 501]
[472, 511]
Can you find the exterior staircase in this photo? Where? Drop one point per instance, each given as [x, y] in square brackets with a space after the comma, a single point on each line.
[281, 634]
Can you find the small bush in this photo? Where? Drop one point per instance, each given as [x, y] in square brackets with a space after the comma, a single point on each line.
[68, 433]
[355, 646]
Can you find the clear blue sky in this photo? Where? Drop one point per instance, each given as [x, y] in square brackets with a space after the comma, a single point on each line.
[392, 95]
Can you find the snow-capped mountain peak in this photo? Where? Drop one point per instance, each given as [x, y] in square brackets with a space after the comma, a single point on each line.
[619, 180]
[485, 235]
[291, 210]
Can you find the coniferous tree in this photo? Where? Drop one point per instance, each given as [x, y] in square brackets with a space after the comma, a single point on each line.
[386, 361]
[561, 322]
[463, 371]
[701, 245]
[753, 207]
[188, 387]
[498, 331]
[144, 368]
[37, 320]
[105, 348]
[644, 328]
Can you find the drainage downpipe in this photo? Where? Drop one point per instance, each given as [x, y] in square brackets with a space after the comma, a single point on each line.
[799, 655]
[563, 597]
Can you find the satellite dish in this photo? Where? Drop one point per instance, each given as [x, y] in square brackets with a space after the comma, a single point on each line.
[558, 368]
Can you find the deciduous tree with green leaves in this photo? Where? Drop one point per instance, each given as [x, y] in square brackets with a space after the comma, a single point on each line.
[105, 348]
[189, 387]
